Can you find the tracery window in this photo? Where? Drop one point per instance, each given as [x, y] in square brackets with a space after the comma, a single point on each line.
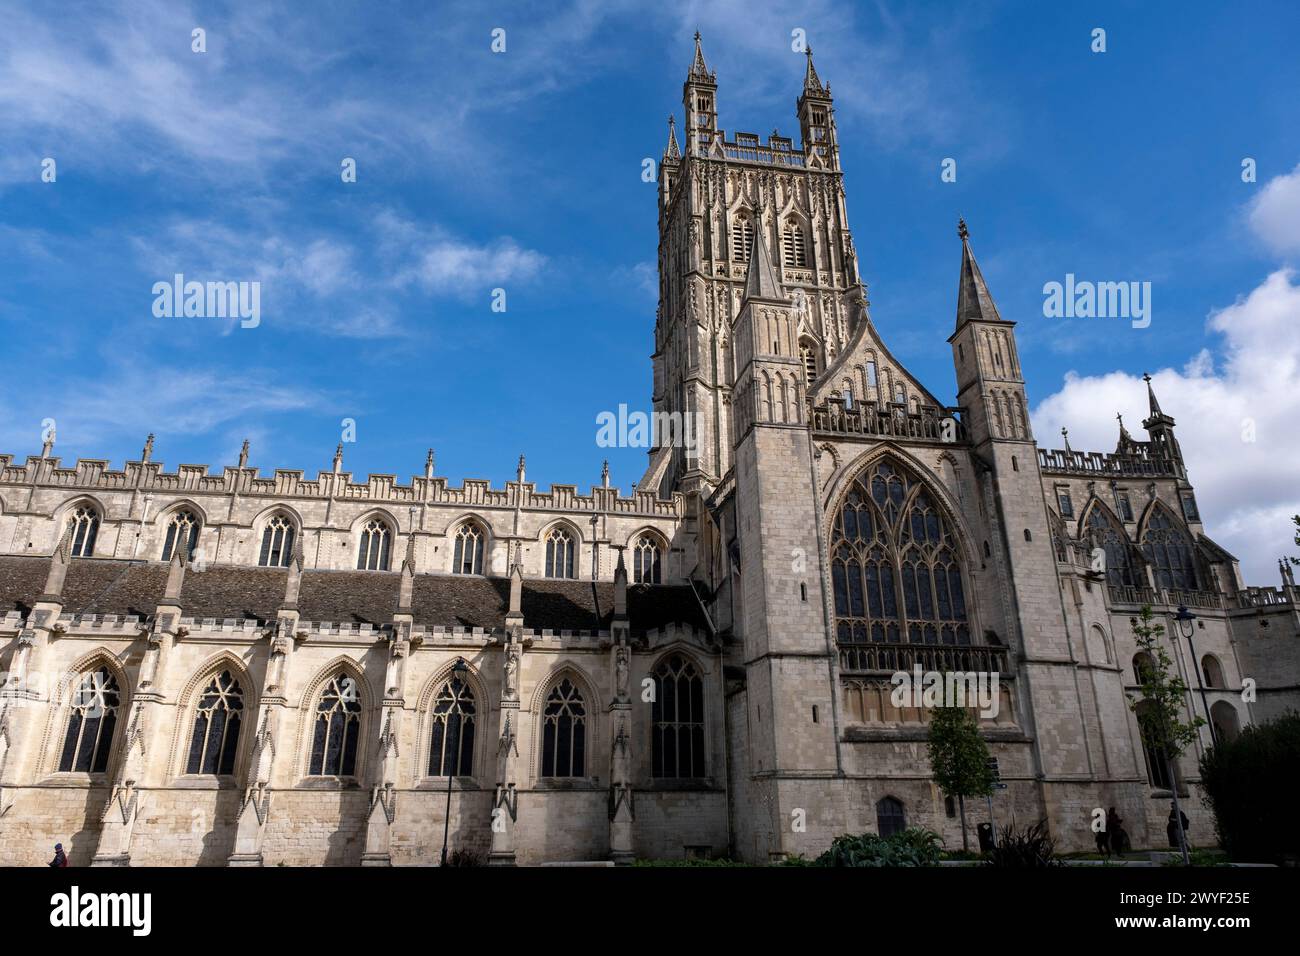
[337, 728]
[277, 542]
[646, 560]
[1108, 534]
[468, 555]
[559, 554]
[375, 545]
[792, 246]
[677, 720]
[84, 522]
[895, 569]
[217, 722]
[88, 741]
[451, 744]
[742, 239]
[564, 732]
[1169, 550]
[183, 527]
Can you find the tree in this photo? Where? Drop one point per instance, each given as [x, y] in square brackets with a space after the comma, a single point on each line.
[1164, 696]
[959, 758]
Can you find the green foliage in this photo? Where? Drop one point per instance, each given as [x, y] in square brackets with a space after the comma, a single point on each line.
[915, 846]
[713, 863]
[1246, 785]
[959, 758]
[1030, 847]
[1199, 857]
[1164, 693]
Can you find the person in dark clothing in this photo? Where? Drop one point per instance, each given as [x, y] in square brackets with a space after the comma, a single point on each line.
[1115, 830]
[1103, 842]
[60, 858]
[1171, 828]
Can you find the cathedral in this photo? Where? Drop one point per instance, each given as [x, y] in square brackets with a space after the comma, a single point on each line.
[235, 669]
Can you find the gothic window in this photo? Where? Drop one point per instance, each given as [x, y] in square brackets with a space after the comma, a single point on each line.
[84, 522]
[677, 720]
[277, 542]
[896, 573]
[376, 543]
[1125, 505]
[451, 744]
[183, 527]
[1212, 671]
[559, 554]
[890, 817]
[564, 732]
[468, 555]
[900, 394]
[1169, 550]
[337, 728]
[1108, 534]
[1157, 759]
[1227, 725]
[742, 239]
[647, 555]
[871, 374]
[89, 738]
[1143, 667]
[217, 721]
[808, 352]
[1066, 502]
[792, 246]
[1189, 508]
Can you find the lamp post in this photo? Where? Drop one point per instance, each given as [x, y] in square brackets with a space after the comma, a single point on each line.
[1185, 620]
[457, 670]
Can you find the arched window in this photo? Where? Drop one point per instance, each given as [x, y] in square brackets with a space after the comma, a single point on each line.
[376, 543]
[277, 542]
[677, 720]
[647, 555]
[792, 246]
[89, 738]
[184, 527]
[1156, 757]
[1108, 534]
[217, 721]
[468, 556]
[895, 566]
[890, 816]
[1226, 723]
[742, 239]
[1169, 550]
[84, 522]
[1212, 671]
[559, 554]
[564, 732]
[337, 728]
[451, 744]
[808, 352]
[900, 394]
[1143, 667]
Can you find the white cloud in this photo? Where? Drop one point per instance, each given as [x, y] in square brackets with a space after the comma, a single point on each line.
[1274, 214]
[1247, 490]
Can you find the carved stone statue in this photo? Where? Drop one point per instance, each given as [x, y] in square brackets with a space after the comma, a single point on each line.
[512, 671]
[622, 659]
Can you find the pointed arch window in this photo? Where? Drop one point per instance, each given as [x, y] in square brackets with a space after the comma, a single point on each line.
[468, 555]
[277, 542]
[896, 571]
[337, 728]
[84, 522]
[808, 353]
[88, 741]
[677, 720]
[183, 527]
[890, 816]
[1108, 534]
[559, 554]
[451, 743]
[564, 732]
[647, 557]
[742, 239]
[1169, 550]
[217, 722]
[792, 246]
[1213, 671]
[375, 545]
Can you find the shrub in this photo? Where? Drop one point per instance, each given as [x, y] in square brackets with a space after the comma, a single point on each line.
[1247, 784]
[1030, 847]
[915, 846]
[462, 857]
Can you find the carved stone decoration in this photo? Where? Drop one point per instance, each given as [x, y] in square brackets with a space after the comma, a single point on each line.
[510, 687]
[622, 664]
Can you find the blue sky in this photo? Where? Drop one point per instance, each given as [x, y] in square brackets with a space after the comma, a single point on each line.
[521, 170]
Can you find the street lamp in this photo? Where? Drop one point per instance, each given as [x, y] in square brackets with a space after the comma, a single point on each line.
[1185, 621]
[457, 670]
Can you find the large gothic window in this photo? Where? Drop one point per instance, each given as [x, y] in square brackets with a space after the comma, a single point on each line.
[468, 555]
[742, 239]
[451, 744]
[559, 554]
[89, 738]
[374, 547]
[217, 722]
[1108, 534]
[337, 729]
[84, 522]
[1169, 550]
[647, 558]
[183, 527]
[277, 542]
[677, 720]
[895, 569]
[564, 732]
